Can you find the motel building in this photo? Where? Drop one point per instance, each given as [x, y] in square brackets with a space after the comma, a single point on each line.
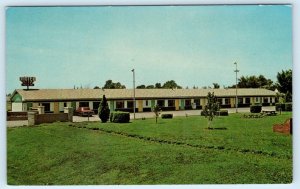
[54, 100]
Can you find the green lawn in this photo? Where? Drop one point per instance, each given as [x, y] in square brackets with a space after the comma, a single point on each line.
[174, 151]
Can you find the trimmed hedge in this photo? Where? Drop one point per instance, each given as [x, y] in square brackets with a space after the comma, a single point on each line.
[222, 113]
[255, 108]
[166, 116]
[120, 117]
[288, 107]
[284, 106]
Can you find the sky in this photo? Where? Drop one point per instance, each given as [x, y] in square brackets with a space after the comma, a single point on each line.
[65, 47]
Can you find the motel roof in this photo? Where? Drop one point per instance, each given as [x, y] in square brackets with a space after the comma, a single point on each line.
[114, 94]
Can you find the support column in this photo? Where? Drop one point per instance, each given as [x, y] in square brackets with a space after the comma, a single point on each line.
[31, 117]
[176, 104]
[140, 105]
[69, 111]
[56, 108]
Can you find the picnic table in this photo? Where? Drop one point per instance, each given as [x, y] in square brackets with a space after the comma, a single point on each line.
[269, 112]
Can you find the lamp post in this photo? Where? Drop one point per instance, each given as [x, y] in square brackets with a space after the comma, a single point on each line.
[236, 98]
[133, 93]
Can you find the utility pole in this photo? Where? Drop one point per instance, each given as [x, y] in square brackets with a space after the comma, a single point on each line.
[133, 93]
[236, 98]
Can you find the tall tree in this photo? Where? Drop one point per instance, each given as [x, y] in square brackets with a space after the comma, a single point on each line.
[171, 85]
[216, 85]
[211, 108]
[285, 83]
[157, 85]
[150, 87]
[103, 110]
[156, 110]
[109, 84]
[255, 82]
[141, 87]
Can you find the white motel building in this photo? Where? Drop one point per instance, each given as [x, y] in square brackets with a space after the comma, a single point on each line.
[54, 100]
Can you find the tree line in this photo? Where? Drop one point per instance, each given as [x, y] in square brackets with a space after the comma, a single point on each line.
[283, 84]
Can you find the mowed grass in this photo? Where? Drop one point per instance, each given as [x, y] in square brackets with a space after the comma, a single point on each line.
[176, 151]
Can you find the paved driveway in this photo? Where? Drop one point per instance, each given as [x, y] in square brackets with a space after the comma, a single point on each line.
[142, 115]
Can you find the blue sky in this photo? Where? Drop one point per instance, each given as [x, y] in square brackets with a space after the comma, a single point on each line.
[193, 45]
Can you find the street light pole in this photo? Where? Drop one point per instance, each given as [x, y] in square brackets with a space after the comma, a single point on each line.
[236, 98]
[133, 93]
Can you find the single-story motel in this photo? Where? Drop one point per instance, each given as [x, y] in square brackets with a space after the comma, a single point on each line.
[54, 100]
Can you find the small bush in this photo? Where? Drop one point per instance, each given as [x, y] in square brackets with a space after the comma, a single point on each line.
[255, 108]
[120, 117]
[222, 112]
[279, 106]
[166, 116]
[284, 106]
[288, 107]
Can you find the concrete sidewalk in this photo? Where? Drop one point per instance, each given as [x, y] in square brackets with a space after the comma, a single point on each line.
[140, 115]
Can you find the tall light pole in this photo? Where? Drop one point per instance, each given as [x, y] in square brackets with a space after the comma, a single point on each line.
[236, 98]
[133, 93]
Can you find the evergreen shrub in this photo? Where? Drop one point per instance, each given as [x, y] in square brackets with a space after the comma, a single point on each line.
[288, 107]
[166, 116]
[255, 108]
[222, 113]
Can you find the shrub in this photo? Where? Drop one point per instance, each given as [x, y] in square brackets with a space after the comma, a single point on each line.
[279, 106]
[103, 110]
[222, 113]
[166, 116]
[120, 117]
[288, 107]
[255, 108]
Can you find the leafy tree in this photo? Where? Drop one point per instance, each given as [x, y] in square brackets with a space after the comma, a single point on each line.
[103, 110]
[150, 87]
[255, 82]
[109, 84]
[96, 87]
[216, 85]
[156, 109]
[171, 85]
[141, 87]
[158, 85]
[211, 107]
[285, 84]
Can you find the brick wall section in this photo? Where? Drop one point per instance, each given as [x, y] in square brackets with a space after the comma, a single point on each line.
[14, 116]
[286, 127]
[50, 118]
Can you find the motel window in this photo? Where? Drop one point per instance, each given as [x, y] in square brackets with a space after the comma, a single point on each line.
[240, 100]
[257, 99]
[247, 100]
[188, 103]
[227, 101]
[83, 104]
[161, 103]
[47, 107]
[129, 104]
[120, 104]
[65, 104]
[219, 100]
[146, 103]
[96, 105]
[197, 102]
[171, 103]
[265, 99]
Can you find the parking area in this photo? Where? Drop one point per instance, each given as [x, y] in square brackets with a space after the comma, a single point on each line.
[145, 115]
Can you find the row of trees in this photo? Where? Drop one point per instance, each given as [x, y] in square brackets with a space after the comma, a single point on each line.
[283, 84]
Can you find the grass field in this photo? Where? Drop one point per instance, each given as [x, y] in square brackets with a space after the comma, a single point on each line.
[174, 151]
